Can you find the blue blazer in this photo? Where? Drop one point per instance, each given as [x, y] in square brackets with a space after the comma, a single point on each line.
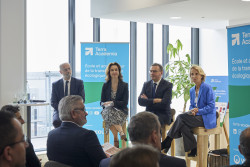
[74, 146]
[76, 88]
[206, 104]
[121, 99]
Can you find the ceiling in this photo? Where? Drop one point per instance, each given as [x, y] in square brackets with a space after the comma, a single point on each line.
[215, 14]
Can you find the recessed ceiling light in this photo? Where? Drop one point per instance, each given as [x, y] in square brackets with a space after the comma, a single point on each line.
[245, 0]
[175, 18]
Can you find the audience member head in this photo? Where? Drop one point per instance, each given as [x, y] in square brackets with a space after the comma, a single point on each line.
[14, 110]
[144, 128]
[12, 142]
[244, 146]
[136, 156]
[71, 108]
[111, 68]
[156, 71]
[65, 70]
[199, 70]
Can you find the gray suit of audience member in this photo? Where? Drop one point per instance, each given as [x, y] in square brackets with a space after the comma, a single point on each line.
[144, 128]
[244, 147]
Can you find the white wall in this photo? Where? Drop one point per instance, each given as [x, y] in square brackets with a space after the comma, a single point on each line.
[213, 52]
[12, 49]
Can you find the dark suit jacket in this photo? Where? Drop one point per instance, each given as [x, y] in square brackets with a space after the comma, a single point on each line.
[121, 100]
[75, 146]
[31, 158]
[165, 161]
[76, 88]
[164, 91]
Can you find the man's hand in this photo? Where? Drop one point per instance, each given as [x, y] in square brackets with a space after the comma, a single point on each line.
[194, 111]
[157, 100]
[143, 96]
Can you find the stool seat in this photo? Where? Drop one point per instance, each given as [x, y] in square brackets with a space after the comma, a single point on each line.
[124, 128]
[202, 143]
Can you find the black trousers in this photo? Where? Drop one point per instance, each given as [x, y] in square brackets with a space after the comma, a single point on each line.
[182, 127]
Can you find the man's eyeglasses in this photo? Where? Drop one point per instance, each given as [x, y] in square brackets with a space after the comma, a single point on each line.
[81, 109]
[23, 140]
[153, 71]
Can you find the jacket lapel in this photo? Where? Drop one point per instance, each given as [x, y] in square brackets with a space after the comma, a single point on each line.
[119, 89]
[200, 92]
[61, 88]
[72, 86]
[159, 87]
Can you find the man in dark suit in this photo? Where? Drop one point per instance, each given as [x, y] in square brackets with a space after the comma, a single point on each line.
[144, 128]
[66, 86]
[31, 158]
[244, 147]
[71, 144]
[156, 95]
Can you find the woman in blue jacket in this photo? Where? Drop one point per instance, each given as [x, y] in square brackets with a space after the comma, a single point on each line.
[202, 113]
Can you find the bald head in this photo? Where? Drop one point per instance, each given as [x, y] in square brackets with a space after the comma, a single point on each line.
[244, 146]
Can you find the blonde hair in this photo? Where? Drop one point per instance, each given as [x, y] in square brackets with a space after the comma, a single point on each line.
[107, 71]
[200, 71]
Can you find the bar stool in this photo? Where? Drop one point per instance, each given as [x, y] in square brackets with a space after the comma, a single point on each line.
[202, 143]
[166, 128]
[106, 136]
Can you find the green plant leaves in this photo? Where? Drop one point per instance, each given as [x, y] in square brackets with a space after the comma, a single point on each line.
[179, 71]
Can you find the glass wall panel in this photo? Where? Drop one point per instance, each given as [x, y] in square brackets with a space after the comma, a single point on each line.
[84, 29]
[141, 59]
[47, 47]
[184, 35]
[158, 44]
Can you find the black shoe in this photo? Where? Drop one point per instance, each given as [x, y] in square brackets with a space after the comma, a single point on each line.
[193, 153]
[166, 144]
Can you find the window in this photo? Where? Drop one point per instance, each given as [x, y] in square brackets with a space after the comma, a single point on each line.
[47, 47]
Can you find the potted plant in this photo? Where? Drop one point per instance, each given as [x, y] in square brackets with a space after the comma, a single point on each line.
[178, 70]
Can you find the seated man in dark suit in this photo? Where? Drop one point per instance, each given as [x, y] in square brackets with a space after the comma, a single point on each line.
[244, 147]
[71, 144]
[63, 87]
[31, 158]
[144, 128]
[156, 95]
[12, 141]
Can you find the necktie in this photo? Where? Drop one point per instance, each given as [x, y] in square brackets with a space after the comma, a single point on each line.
[154, 88]
[66, 88]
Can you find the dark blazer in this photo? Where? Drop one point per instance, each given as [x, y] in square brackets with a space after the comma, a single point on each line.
[206, 104]
[75, 146]
[31, 158]
[121, 100]
[76, 88]
[164, 91]
[165, 161]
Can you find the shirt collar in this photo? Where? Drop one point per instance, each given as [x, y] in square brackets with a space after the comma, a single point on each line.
[157, 81]
[72, 122]
[64, 81]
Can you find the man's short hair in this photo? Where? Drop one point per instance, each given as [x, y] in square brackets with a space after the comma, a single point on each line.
[142, 125]
[244, 142]
[10, 108]
[136, 156]
[66, 105]
[61, 65]
[157, 64]
[8, 132]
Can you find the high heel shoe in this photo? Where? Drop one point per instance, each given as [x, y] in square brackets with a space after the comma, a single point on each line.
[123, 136]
